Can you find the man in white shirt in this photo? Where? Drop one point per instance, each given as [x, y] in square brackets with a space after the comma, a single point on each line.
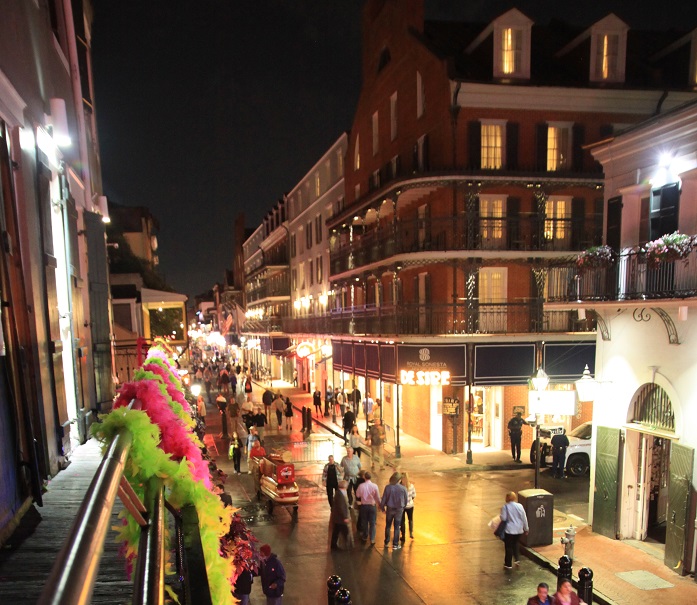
[368, 495]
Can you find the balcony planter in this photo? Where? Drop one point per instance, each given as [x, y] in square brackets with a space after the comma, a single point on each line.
[596, 257]
[669, 248]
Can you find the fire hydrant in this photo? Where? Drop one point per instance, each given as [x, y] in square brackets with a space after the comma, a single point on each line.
[568, 540]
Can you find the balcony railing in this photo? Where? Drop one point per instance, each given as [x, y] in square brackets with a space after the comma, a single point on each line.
[263, 326]
[435, 319]
[268, 290]
[523, 232]
[632, 277]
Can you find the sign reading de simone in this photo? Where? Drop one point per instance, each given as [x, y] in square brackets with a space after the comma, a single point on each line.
[426, 365]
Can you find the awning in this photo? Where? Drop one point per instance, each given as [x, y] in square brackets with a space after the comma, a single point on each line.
[290, 351]
[564, 362]
[504, 364]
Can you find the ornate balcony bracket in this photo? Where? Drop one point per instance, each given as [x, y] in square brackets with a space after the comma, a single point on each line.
[670, 326]
[602, 326]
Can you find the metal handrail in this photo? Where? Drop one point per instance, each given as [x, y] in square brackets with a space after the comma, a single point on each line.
[74, 573]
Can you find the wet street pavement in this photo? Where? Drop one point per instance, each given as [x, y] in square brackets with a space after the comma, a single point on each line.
[454, 558]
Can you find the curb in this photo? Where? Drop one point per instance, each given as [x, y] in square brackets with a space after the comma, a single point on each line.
[542, 561]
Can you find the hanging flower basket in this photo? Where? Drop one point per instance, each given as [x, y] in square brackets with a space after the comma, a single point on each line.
[669, 248]
[595, 257]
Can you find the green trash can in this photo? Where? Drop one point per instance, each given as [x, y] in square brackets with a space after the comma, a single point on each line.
[539, 508]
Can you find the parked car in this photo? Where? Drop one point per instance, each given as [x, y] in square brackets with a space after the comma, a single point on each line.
[578, 454]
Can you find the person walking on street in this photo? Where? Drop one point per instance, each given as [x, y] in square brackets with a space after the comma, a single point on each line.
[273, 576]
[559, 444]
[355, 440]
[260, 423]
[542, 597]
[289, 414]
[330, 478]
[377, 444]
[224, 382]
[369, 496]
[201, 409]
[251, 438]
[409, 508]
[350, 464]
[267, 400]
[235, 451]
[317, 401]
[515, 432]
[349, 422]
[394, 499]
[295, 378]
[207, 381]
[513, 515]
[566, 596]
[221, 402]
[279, 406]
[368, 404]
[340, 519]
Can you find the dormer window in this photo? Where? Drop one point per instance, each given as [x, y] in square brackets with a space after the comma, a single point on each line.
[608, 50]
[606, 57]
[511, 50]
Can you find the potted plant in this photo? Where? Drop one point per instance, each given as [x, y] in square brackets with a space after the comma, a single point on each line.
[670, 247]
[595, 257]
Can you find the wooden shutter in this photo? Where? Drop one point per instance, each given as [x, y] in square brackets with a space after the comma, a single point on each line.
[541, 143]
[579, 240]
[513, 223]
[614, 223]
[577, 141]
[511, 146]
[474, 130]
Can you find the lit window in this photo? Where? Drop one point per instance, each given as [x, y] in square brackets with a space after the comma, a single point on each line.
[317, 184]
[393, 117]
[492, 145]
[357, 153]
[558, 147]
[511, 50]
[606, 60]
[491, 212]
[558, 219]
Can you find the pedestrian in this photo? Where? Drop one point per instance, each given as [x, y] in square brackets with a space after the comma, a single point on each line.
[330, 478]
[368, 404]
[251, 437]
[279, 406]
[224, 382]
[243, 586]
[317, 401]
[566, 596]
[409, 508]
[235, 451]
[515, 432]
[273, 576]
[559, 444]
[377, 444]
[339, 401]
[198, 376]
[542, 597]
[258, 450]
[349, 422]
[369, 496]
[260, 423]
[355, 401]
[201, 409]
[248, 385]
[221, 402]
[513, 515]
[355, 440]
[394, 499]
[267, 400]
[339, 518]
[350, 464]
[289, 414]
[207, 381]
[328, 399]
[295, 378]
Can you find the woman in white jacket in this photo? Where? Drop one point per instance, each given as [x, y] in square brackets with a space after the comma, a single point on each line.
[409, 508]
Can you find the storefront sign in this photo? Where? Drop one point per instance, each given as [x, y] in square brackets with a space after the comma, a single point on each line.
[451, 406]
[410, 377]
[303, 350]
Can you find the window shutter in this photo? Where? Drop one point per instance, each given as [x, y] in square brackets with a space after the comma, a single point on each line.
[513, 223]
[598, 207]
[416, 158]
[578, 224]
[577, 136]
[541, 141]
[511, 146]
[670, 202]
[427, 154]
[614, 222]
[475, 144]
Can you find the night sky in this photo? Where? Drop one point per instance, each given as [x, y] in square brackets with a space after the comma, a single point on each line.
[206, 108]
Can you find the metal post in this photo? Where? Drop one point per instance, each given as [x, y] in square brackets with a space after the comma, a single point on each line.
[470, 400]
[397, 449]
[585, 584]
[342, 597]
[333, 584]
[564, 571]
[538, 451]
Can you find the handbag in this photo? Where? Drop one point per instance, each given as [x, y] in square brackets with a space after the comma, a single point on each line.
[500, 531]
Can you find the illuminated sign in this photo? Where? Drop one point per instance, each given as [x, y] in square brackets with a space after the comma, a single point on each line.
[421, 378]
[304, 349]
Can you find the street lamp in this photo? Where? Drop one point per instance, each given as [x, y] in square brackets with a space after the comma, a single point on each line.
[586, 386]
[540, 382]
[195, 390]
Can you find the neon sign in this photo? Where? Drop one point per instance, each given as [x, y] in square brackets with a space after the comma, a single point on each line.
[419, 378]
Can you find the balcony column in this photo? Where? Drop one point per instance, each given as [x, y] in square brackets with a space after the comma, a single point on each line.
[540, 277]
[472, 210]
[541, 211]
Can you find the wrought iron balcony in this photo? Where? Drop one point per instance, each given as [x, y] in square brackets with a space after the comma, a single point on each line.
[470, 317]
[268, 290]
[632, 277]
[523, 232]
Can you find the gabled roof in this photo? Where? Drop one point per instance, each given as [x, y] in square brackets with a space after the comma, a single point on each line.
[511, 18]
[611, 23]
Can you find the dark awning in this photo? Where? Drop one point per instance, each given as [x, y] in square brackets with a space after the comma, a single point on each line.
[564, 362]
[504, 364]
